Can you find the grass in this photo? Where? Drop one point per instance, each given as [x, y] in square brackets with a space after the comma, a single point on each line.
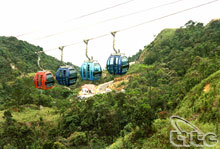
[138, 68]
[198, 107]
[119, 143]
[200, 104]
[32, 114]
[160, 139]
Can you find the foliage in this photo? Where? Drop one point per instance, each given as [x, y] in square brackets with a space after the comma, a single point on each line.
[135, 57]
[18, 57]
[175, 68]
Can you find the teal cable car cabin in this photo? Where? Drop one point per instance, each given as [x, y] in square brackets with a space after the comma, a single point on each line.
[91, 70]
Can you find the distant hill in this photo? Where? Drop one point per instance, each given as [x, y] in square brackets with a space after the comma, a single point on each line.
[177, 74]
[199, 103]
[161, 38]
[18, 57]
[193, 39]
[135, 57]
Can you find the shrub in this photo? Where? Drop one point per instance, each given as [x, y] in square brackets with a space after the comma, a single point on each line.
[77, 139]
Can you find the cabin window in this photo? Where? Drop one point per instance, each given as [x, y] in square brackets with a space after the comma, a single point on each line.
[41, 81]
[72, 81]
[97, 71]
[64, 73]
[88, 70]
[50, 80]
[84, 70]
[60, 74]
[116, 60]
[111, 64]
[124, 60]
[96, 67]
[73, 73]
[38, 80]
[112, 61]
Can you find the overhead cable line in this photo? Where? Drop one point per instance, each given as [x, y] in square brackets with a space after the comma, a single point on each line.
[101, 10]
[178, 12]
[85, 15]
[108, 20]
[140, 24]
[153, 20]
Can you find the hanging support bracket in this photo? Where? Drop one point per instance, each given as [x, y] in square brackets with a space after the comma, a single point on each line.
[113, 34]
[87, 42]
[38, 61]
[61, 49]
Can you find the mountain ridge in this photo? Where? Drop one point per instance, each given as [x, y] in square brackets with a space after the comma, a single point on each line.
[19, 57]
[169, 80]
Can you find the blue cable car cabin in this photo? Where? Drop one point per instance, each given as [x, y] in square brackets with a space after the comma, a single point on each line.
[117, 64]
[66, 75]
[91, 70]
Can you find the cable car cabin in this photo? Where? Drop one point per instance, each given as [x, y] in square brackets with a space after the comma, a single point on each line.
[117, 64]
[66, 75]
[44, 80]
[91, 71]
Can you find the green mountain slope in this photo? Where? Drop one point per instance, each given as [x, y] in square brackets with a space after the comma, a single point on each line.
[18, 65]
[14, 63]
[188, 59]
[160, 39]
[202, 101]
[201, 106]
[178, 75]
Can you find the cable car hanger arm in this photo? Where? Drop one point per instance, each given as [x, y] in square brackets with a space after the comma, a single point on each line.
[38, 61]
[61, 49]
[137, 25]
[113, 34]
[87, 42]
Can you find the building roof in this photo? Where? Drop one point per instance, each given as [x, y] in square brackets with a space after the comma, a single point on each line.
[90, 87]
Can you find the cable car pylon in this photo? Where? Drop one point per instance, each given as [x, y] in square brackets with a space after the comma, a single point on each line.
[90, 69]
[117, 63]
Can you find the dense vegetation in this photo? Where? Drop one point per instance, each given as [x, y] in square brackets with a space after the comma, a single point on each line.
[14, 63]
[170, 80]
[135, 57]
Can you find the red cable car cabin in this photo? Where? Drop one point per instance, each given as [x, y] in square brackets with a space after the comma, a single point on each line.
[44, 80]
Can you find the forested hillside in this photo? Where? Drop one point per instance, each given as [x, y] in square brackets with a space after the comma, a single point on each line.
[178, 74]
[18, 57]
[135, 57]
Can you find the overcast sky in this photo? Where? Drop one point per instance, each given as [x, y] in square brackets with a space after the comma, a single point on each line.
[41, 18]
